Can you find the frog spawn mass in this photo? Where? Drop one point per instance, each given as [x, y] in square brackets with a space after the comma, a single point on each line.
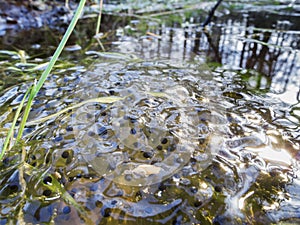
[150, 133]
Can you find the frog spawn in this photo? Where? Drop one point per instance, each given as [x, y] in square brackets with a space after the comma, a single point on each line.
[152, 133]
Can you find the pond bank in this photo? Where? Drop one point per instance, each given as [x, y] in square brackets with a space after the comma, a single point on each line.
[26, 15]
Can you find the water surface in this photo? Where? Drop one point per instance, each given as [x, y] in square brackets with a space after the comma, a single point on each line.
[205, 129]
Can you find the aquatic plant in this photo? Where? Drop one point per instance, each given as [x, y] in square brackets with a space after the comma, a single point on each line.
[25, 168]
[47, 173]
[32, 92]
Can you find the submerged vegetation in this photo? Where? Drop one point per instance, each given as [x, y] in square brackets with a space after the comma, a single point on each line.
[130, 126]
[32, 92]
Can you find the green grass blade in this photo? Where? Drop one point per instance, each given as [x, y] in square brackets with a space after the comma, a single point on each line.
[52, 62]
[60, 46]
[104, 100]
[25, 115]
[99, 17]
[11, 130]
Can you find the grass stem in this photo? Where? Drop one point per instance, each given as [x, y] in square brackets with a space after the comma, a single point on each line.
[42, 80]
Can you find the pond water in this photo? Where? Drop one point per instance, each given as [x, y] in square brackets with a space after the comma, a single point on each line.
[173, 124]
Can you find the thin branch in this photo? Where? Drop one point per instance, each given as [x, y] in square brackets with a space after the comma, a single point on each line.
[211, 13]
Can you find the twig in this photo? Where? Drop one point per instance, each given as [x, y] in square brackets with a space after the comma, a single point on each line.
[211, 13]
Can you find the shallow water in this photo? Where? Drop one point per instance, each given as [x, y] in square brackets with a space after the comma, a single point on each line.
[205, 129]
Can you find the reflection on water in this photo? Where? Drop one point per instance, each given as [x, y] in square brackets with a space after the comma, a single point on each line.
[251, 94]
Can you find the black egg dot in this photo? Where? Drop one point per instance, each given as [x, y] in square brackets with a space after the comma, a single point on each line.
[176, 176]
[215, 222]
[159, 147]
[114, 202]
[58, 139]
[89, 116]
[207, 178]
[87, 176]
[136, 144]
[218, 188]
[138, 195]
[133, 131]
[65, 154]
[128, 177]
[69, 128]
[179, 160]
[102, 131]
[164, 141]
[6, 161]
[194, 190]
[47, 180]
[98, 204]
[13, 188]
[111, 92]
[47, 192]
[48, 158]
[106, 212]
[155, 161]
[132, 120]
[120, 193]
[148, 155]
[91, 133]
[66, 209]
[198, 203]
[201, 141]
[177, 221]
[273, 173]
[162, 187]
[73, 192]
[171, 148]
[112, 166]
[103, 114]
[193, 161]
